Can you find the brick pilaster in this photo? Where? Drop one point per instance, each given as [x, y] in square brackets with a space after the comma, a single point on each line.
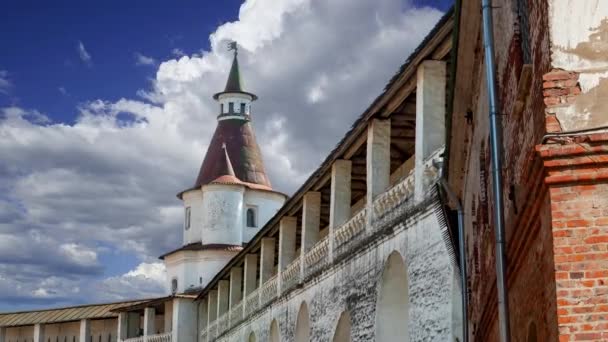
[577, 177]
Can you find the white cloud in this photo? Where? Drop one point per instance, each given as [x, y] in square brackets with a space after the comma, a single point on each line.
[110, 178]
[84, 54]
[5, 83]
[63, 91]
[177, 52]
[145, 281]
[143, 60]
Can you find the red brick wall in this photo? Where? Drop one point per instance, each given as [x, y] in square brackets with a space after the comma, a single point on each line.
[527, 205]
[577, 174]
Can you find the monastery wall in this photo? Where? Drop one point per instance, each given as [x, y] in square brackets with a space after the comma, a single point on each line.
[405, 259]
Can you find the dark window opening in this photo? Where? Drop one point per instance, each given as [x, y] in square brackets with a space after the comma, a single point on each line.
[242, 108]
[174, 285]
[222, 108]
[524, 30]
[251, 218]
[187, 218]
[230, 107]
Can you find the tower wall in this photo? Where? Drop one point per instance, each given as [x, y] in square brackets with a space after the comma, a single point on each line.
[265, 204]
[194, 269]
[193, 199]
[223, 219]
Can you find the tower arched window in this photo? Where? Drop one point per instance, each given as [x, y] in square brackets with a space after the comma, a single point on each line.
[187, 218]
[222, 108]
[243, 108]
[231, 107]
[174, 285]
[251, 217]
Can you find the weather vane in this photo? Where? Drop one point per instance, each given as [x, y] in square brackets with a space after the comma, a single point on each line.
[232, 46]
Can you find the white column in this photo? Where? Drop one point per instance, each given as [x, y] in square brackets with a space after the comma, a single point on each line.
[430, 117]
[339, 206]
[266, 259]
[236, 290]
[378, 161]
[223, 289]
[39, 332]
[212, 302]
[311, 224]
[203, 315]
[149, 320]
[311, 220]
[287, 241]
[85, 330]
[251, 270]
[184, 320]
[287, 245]
[168, 317]
[122, 325]
[250, 274]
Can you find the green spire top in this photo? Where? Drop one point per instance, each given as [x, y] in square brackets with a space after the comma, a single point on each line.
[234, 84]
[234, 78]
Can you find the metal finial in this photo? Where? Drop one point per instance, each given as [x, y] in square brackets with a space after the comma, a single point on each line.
[232, 46]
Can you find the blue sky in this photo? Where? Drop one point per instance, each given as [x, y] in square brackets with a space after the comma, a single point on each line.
[88, 199]
[40, 43]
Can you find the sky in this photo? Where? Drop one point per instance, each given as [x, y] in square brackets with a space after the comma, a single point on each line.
[106, 113]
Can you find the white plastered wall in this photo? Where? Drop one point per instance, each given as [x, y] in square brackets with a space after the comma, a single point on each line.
[194, 200]
[189, 266]
[579, 42]
[266, 204]
[223, 211]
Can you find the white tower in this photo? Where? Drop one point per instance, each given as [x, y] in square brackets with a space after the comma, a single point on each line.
[231, 199]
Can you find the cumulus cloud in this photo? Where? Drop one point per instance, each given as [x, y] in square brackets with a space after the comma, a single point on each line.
[143, 60]
[83, 54]
[110, 178]
[145, 281]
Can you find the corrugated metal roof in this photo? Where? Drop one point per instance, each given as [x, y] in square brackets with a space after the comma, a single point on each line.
[58, 315]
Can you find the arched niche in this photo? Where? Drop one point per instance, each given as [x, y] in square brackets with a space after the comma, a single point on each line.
[303, 324]
[275, 335]
[392, 304]
[342, 333]
[251, 337]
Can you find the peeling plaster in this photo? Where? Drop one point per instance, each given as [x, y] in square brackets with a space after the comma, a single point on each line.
[579, 42]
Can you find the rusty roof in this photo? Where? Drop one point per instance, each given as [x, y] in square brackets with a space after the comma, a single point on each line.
[233, 140]
[67, 314]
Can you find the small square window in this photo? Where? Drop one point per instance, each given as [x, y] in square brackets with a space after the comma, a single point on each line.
[187, 218]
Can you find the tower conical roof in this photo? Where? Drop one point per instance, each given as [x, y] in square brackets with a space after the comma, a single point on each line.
[233, 151]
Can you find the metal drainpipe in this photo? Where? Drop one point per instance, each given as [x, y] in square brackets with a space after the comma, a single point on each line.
[496, 144]
[463, 258]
